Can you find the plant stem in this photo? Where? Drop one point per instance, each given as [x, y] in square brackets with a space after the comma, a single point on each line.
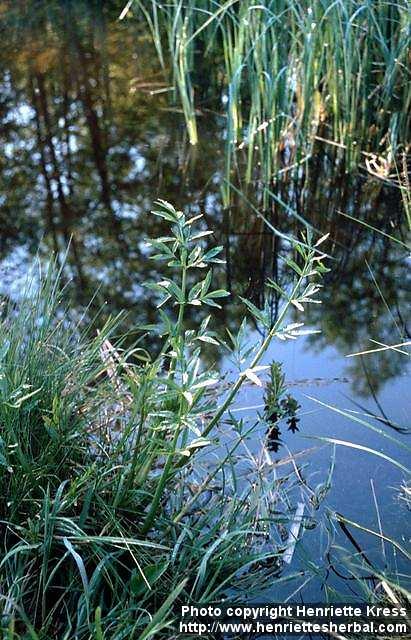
[256, 359]
[180, 337]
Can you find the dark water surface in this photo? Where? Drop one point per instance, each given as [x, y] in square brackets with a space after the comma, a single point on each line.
[90, 138]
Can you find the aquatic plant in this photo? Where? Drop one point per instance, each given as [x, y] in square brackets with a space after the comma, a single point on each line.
[278, 406]
[288, 73]
[119, 495]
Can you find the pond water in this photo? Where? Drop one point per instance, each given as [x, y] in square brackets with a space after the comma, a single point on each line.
[90, 138]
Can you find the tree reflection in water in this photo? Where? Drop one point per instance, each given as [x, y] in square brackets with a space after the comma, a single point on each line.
[90, 140]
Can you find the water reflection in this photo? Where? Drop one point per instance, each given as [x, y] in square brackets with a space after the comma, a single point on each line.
[90, 140]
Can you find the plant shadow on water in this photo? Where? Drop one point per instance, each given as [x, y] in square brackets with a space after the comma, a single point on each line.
[91, 137]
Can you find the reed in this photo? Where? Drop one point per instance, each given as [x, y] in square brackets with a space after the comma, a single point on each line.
[289, 72]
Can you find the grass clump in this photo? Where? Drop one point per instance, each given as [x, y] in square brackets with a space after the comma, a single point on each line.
[120, 498]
